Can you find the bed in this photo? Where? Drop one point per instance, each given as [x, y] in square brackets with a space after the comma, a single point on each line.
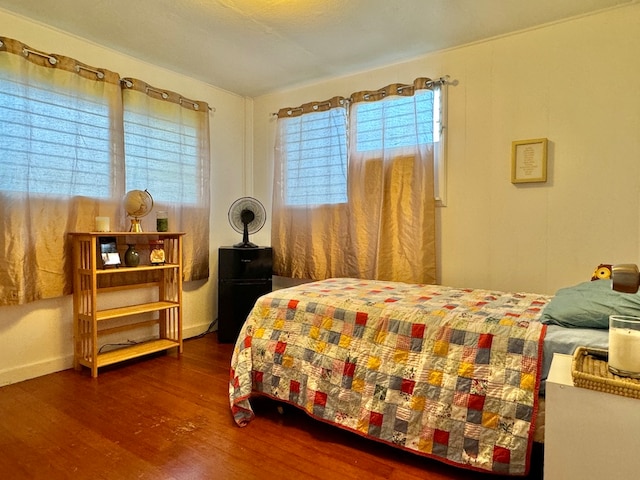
[448, 373]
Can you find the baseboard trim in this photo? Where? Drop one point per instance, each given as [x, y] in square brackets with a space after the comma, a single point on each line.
[26, 372]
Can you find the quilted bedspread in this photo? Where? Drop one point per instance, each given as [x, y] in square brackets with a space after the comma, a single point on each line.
[447, 373]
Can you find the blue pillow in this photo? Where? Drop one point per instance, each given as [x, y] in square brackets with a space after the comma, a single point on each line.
[588, 305]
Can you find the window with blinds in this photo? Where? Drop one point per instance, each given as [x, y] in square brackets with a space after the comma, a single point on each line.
[53, 142]
[61, 141]
[162, 156]
[392, 123]
[315, 147]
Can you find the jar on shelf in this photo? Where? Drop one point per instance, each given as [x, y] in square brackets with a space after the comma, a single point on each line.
[131, 256]
[156, 255]
[162, 221]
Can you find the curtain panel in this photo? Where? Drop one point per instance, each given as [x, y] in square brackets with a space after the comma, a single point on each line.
[309, 234]
[163, 138]
[63, 163]
[391, 187]
[45, 100]
[385, 228]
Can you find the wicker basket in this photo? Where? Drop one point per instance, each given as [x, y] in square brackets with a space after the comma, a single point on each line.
[590, 369]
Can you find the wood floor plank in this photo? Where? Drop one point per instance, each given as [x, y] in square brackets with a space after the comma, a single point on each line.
[167, 417]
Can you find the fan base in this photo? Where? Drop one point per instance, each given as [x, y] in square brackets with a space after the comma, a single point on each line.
[245, 245]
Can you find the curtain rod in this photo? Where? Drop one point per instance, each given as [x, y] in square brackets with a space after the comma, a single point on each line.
[15, 47]
[52, 60]
[444, 80]
[97, 73]
[196, 106]
[163, 94]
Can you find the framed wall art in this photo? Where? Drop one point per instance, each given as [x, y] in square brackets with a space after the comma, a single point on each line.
[529, 161]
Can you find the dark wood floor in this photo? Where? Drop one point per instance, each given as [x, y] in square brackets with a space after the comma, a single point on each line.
[166, 417]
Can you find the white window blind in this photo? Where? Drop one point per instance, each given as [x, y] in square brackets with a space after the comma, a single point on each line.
[162, 155]
[392, 123]
[315, 147]
[51, 141]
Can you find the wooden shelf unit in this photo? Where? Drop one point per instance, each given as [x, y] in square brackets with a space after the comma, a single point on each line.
[90, 322]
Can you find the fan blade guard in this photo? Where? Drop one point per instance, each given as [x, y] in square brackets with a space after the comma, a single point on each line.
[247, 216]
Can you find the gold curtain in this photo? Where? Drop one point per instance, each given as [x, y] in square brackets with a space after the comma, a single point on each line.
[302, 246]
[189, 211]
[34, 254]
[386, 229]
[391, 196]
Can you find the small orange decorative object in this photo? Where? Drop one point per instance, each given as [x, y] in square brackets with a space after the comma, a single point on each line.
[157, 252]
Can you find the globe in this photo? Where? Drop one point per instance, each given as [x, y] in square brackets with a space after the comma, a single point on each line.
[137, 204]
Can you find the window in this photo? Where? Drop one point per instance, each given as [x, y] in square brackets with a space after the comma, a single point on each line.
[315, 145]
[162, 156]
[315, 167]
[380, 220]
[390, 123]
[62, 141]
[56, 141]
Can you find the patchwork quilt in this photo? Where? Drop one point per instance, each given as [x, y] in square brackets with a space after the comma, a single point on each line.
[451, 374]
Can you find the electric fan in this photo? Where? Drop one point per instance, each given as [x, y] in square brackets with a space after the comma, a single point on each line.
[247, 215]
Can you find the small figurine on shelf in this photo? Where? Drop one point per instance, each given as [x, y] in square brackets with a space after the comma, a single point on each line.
[157, 252]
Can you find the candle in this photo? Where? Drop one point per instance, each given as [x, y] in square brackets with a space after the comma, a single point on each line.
[102, 224]
[624, 346]
[162, 221]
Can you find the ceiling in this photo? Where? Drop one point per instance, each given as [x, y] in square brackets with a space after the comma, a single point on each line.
[254, 47]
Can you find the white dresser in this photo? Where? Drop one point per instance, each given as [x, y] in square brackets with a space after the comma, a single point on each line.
[588, 434]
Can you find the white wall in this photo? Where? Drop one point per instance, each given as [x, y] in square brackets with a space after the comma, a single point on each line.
[37, 338]
[575, 83]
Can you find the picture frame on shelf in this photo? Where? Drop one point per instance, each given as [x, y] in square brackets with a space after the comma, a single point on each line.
[109, 252]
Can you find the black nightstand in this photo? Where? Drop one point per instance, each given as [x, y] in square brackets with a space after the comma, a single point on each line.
[244, 274]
